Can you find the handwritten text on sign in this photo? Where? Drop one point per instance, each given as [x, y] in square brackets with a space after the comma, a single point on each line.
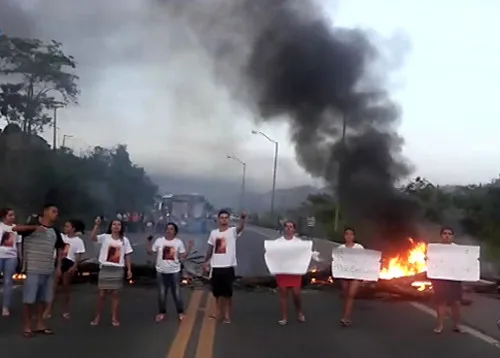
[291, 258]
[453, 262]
[356, 264]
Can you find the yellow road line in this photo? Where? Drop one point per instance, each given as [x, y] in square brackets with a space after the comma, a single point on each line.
[181, 340]
[205, 347]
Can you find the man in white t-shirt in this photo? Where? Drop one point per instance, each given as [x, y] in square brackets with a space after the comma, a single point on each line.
[169, 252]
[221, 257]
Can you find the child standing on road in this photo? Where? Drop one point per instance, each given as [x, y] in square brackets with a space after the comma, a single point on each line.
[73, 250]
[349, 287]
[169, 251]
[10, 252]
[114, 256]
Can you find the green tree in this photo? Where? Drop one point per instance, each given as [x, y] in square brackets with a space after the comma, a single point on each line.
[40, 78]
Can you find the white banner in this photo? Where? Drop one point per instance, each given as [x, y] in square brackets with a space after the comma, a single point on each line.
[453, 262]
[291, 258]
[356, 264]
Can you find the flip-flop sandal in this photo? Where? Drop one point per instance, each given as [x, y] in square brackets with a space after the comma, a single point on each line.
[457, 330]
[66, 315]
[438, 330]
[115, 323]
[227, 321]
[301, 318]
[94, 322]
[283, 322]
[28, 334]
[345, 322]
[212, 316]
[45, 331]
[159, 318]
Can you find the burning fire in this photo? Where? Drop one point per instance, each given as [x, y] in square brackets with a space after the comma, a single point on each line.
[405, 264]
[410, 263]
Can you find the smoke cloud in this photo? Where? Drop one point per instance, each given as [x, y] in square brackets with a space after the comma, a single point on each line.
[289, 63]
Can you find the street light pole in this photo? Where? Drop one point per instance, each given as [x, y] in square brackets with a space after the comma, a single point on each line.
[275, 167]
[54, 133]
[243, 179]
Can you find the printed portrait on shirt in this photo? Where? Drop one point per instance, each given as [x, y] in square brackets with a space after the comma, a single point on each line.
[168, 253]
[114, 253]
[8, 239]
[220, 245]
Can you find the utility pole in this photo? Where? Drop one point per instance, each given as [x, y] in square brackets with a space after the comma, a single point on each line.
[54, 132]
[275, 167]
[342, 143]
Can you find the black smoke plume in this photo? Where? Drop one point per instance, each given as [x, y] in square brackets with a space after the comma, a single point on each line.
[302, 68]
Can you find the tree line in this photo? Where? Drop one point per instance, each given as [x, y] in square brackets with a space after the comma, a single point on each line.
[36, 78]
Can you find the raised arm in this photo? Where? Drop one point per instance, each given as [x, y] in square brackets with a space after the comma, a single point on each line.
[187, 252]
[95, 229]
[241, 225]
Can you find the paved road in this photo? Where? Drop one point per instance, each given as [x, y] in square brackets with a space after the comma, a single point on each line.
[382, 329]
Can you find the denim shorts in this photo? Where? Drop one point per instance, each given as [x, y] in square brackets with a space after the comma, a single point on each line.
[38, 288]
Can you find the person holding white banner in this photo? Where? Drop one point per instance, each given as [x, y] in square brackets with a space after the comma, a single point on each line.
[289, 283]
[349, 287]
[447, 292]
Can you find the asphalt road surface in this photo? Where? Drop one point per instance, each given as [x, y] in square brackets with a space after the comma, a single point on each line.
[249, 249]
[380, 329]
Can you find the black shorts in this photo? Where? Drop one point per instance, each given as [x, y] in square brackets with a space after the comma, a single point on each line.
[222, 281]
[66, 264]
[447, 292]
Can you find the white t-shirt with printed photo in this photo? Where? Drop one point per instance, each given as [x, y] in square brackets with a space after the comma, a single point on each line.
[355, 246]
[113, 251]
[8, 242]
[224, 244]
[74, 246]
[167, 254]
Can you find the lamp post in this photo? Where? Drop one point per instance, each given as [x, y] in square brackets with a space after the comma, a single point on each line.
[243, 177]
[275, 168]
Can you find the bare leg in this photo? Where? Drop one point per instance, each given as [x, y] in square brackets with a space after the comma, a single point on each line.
[115, 301]
[66, 281]
[27, 318]
[350, 295]
[48, 310]
[456, 308]
[41, 308]
[100, 302]
[283, 296]
[441, 315]
[227, 309]
[297, 302]
[218, 308]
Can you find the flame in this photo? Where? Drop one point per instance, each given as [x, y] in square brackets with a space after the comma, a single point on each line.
[422, 285]
[409, 263]
[184, 281]
[19, 276]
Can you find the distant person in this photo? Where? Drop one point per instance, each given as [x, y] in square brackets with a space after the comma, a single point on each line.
[114, 257]
[289, 283]
[221, 259]
[447, 292]
[39, 243]
[169, 252]
[349, 287]
[10, 253]
[71, 255]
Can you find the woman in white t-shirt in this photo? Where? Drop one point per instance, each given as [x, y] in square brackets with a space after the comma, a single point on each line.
[10, 247]
[72, 254]
[349, 287]
[114, 256]
[169, 252]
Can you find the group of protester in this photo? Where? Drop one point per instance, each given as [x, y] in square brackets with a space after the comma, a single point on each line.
[46, 257]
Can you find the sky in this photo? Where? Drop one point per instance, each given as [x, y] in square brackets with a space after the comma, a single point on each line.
[146, 83]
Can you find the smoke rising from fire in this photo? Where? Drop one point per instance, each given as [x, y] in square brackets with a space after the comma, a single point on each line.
[294, 65]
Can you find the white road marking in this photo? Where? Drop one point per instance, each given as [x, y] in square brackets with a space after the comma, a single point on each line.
[467, 329]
